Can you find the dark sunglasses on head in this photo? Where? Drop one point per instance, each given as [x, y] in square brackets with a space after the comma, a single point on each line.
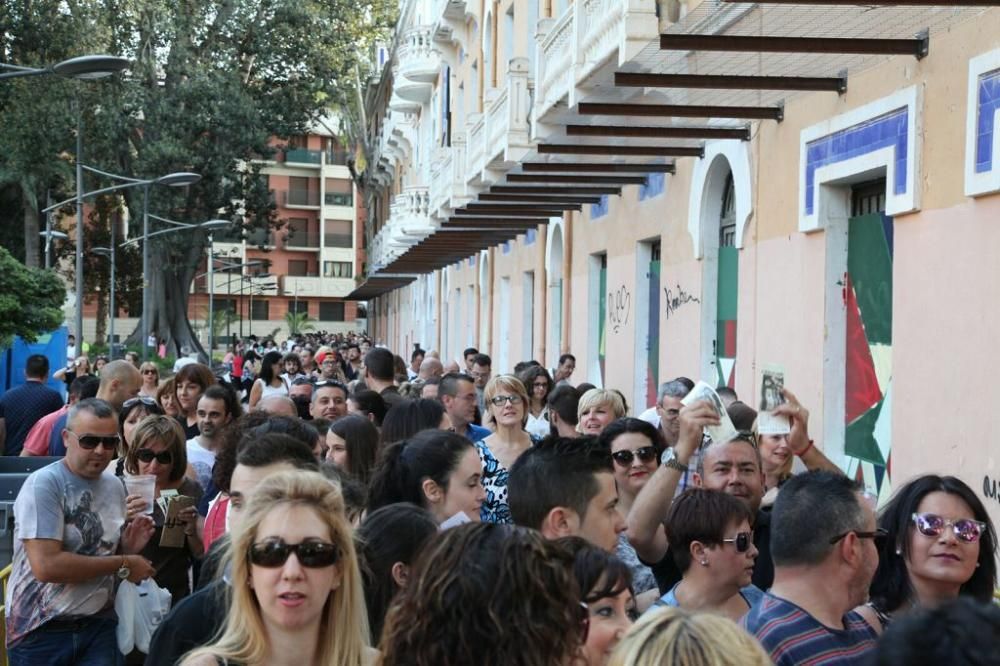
[742, 541]
[965, 529]
[312, 554]
[879, 533]
[330, 382]
[146, 400]
[90, 442]
[748, 436]
[147, 456]
[625, 457]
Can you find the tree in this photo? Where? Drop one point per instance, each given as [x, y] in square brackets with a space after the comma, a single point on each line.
[212, 82]
[299, 322]
[31, 300]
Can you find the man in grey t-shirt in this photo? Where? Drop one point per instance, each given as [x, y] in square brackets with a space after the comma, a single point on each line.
[74, 541]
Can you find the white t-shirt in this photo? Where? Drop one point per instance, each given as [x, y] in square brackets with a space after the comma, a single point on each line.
[202, 460]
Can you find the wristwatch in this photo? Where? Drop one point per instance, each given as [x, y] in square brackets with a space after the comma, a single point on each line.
[123, 571]
[669, 458]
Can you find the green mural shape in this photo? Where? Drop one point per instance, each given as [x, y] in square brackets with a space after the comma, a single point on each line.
[869, 263]
[860, 439]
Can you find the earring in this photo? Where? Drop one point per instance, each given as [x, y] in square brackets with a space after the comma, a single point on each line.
[899, 551]
[704, 563]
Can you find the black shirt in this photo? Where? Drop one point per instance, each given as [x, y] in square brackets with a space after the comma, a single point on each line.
[191, 624]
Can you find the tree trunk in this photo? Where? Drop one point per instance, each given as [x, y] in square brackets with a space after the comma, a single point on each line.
[101, 331]
[31, 230]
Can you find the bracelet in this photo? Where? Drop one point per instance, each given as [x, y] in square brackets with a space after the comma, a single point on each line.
[806, 450]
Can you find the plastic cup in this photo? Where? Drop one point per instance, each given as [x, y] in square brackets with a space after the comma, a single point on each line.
[144, 485]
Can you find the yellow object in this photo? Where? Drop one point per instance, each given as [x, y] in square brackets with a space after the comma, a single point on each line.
[4, 577]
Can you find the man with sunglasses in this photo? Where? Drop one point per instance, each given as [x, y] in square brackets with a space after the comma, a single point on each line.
[72, 545]
[823, 546]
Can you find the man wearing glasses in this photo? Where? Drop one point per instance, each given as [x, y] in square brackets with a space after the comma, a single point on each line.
[823, 547]
[72, 546]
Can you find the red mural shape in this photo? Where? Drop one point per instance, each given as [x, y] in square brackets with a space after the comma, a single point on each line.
[863, 391]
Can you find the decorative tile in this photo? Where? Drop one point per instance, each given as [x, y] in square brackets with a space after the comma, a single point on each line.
[652, 187]
[529, 236]
[599, 210]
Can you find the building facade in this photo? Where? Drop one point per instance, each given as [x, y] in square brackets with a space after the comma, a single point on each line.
[706, 189]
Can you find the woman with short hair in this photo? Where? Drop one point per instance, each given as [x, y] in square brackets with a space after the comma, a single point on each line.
[507, 409]
[150, 379]
[598, 408]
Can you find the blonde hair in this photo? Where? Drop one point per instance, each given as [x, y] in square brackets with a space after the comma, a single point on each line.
[595, 397]
[149, 365]
[508, 383]
[785, 471]
[343, 635]
[675, 636]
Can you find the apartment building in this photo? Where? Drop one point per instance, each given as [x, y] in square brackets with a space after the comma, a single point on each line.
[705, 189]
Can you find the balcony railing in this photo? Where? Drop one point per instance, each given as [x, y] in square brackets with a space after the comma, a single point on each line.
[338, 199]
[507, 127]
[300, 198]
[555, 60]
[303, 156]
[302, 239]
[476, 147]
[337, 157]
[419, 64]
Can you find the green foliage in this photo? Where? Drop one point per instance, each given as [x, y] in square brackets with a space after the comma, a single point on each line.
[299, 322]
[30, 300]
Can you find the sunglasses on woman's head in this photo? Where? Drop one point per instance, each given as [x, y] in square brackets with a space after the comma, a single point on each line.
[148, 455]
[624, 457]
[742, 541]
[312, 554]
[142, 398]
[932, 525]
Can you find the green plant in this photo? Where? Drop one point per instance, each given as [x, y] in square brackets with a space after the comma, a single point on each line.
[299, 322]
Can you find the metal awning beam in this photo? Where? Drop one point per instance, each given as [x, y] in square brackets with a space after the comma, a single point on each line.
[532, 189]
[578, 149]
[592, 167]
[916, 47]
[525, 209]
[466, 220]
[646, 132]
[837, 84]
[564, 178]
[536, 198]
[681, 111]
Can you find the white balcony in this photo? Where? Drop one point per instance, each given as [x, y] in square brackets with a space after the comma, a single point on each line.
[476, 146]
[419, 63]
[507, 115]
[316, 287]
[583, 47]
[450, 17]
[409, 222]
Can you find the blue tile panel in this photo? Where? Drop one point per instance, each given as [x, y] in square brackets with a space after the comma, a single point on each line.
[989, 102]
[889, 130]
[652, 187]
[472, 260]
[505, 247]
[599, 209]
[529, 236]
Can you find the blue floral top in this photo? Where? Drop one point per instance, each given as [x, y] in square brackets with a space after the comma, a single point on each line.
[495, 508]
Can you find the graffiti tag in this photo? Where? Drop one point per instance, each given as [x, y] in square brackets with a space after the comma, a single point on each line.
[619, 305]
[990, 489]
[675, 301]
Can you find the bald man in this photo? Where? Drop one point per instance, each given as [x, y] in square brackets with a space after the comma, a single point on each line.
[120, 381]
[277, 405]
[430, 368]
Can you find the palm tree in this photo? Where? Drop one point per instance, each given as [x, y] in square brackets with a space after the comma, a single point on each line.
[299, 322]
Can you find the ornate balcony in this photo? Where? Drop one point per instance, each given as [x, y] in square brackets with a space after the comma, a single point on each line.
[507, 140]
[419, 63]
[409, 222]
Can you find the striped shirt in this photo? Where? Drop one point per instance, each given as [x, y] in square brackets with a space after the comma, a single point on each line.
[793, 637]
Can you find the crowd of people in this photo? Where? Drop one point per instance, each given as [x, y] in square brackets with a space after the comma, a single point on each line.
[326, 501]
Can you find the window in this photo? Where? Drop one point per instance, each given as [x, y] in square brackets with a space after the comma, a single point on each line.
[331, 311]
[338, 233]
[338, 269]
[300, 306]
[224, 304]
[302, 192]
[260, 309]
[300, 233]
[298, 267]
[339, 192]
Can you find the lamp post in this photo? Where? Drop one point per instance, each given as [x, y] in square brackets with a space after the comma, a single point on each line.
[211, 289]
[109, 252]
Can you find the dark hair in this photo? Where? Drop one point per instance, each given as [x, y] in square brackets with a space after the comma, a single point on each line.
[370, 402]
[355, 493]
[558, 471]
[599, 574]
[564, 400]
[150, 406]
[274, 447]
[891, 587]
[449, 384]
[196, 373]
[468, 602]
[961, 631]
[380, 364]
[742, 415]
[469, 350]
[36, 367]
[291, 357]
[528, 377]
[584, 387]
[394, 533]
[726, 392]
[403, 466]
[813, 508]
[628, 424]
[233, 439]
[227, 396]
[700, 514]
[482, 360]
[85, 387]
[362, 444]
[417, 353]
[266, 370]
[408, 417]
[566, 357]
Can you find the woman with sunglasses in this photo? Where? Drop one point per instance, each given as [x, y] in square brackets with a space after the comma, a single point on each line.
[297, 596]
[270, 382]
[507, 411]
[710, 539]
[538, 382]
[150, 380]
[606, 586]
[487, 595]
[940, 544]
[158, 449]
[635, 447]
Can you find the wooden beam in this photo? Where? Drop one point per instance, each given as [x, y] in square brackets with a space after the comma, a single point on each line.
[632, 131]
[562, 178]
[541, 189]
[471, 220]
[681, 111]
[517, 209]
[772, 44]
[837, 84]
[581, 149]
[536, 198]
[591, 167]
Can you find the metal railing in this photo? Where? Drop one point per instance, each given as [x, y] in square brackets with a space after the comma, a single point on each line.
[304, 156]
[300, 198]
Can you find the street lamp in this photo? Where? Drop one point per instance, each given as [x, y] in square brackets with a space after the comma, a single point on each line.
[250, 288]
[86, 68]
[49, 235]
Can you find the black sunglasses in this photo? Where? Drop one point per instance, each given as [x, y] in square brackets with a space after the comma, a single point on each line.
[879, 533]
[742, 541]
[147, 456]
[644, 454]
[90, 442]
[312, 554]
[330, 382]
[748, 436]
[142, 398]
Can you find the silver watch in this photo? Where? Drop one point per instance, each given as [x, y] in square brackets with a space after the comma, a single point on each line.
[669, 458]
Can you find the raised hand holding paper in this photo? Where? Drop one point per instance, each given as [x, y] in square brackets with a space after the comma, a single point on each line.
[723, 432]
[772, 381]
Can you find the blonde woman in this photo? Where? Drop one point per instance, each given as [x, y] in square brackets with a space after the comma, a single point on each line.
[297, 598]
[677, 637]
[507, 409]
[150, 379]
[596, 409]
